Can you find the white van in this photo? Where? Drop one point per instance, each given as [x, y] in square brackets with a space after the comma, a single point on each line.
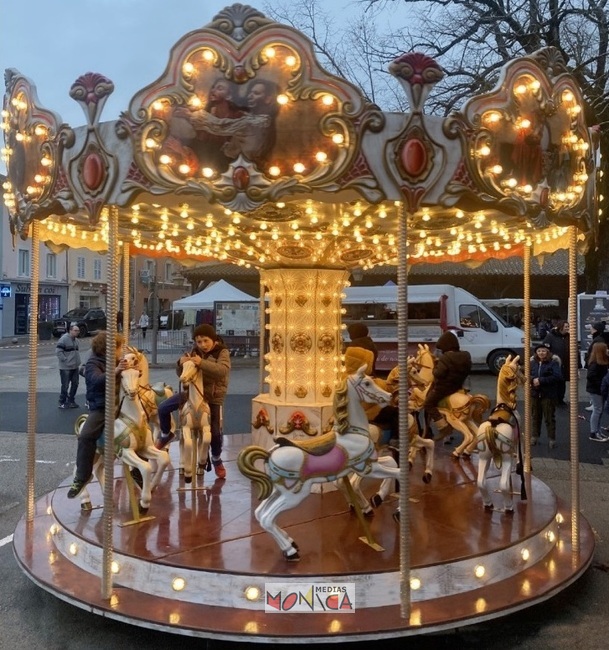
[433, 309]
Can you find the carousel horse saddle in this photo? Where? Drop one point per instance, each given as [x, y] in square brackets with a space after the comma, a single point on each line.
[445, 401]
[502, 413]
[159, 388]
[318, 446]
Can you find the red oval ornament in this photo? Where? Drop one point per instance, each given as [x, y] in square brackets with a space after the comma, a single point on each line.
[414, 157]
[93, 171]
[544, 197]
[241, 178]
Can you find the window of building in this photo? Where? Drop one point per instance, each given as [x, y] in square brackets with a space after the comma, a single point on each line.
[97, 269]
[24, 263]
[80, 268]
[51, 265]
[168, 271]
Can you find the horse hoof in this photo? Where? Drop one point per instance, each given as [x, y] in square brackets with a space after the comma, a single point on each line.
[188, 479]
[142, 510]
[409, 464]
[376, 500]
[509, 511]
[181, 471]
[427, 477]
[489, 507]
[368, 513]
[396, 516]
[295, 546]
[86, 507]
[466, 456]
[200, 470]
[292, 557]
[455, 456]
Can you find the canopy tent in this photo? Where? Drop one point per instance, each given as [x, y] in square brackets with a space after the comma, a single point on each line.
[220, 291]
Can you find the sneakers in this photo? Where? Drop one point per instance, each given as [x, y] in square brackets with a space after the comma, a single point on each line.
[164, 439]
[533, 441]
[596, 437]
[62, 406]
[72, 405]
[552, 444]
[76, 488]
[219, 468]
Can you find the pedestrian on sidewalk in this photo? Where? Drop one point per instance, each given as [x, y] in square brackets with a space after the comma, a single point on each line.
[546, 378]
[598, 364]
[92, 429]
[69, 363]
[558, 341]
[144, 323]
[212, 356]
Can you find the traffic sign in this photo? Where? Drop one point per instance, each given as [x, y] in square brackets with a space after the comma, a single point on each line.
[5, 290]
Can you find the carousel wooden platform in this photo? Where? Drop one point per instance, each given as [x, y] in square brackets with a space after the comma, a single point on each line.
[200, 566]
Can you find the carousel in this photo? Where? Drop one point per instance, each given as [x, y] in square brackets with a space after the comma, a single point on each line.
[245, 150]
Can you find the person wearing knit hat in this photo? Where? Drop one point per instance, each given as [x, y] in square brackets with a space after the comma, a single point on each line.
[545, 381]
[449, 374]
[360, 338]
[212, 356]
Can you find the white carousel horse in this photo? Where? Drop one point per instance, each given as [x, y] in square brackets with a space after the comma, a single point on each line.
[498, 438]
[463, 411]
[291, 467]
[151, 395]
[195, 423]
[132, 438]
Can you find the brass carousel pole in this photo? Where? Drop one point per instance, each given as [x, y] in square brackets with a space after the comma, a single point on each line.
[261, 341]
[403, 415]
[126, 294]
[527, 355]
[32, 373]
[110, 403]
[573, 389]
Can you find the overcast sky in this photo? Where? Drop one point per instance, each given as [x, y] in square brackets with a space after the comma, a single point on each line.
[53, 43]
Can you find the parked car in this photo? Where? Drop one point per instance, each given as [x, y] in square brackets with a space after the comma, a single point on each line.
[88, 320]
[172, 320]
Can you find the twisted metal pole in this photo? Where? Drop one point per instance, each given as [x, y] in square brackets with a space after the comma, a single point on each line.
[126, 285]
[527, 355]
[573, 390]
[403, 414]
[32, 374]
[112, 300]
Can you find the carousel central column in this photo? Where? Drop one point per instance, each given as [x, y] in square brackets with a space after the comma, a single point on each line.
[304, 360]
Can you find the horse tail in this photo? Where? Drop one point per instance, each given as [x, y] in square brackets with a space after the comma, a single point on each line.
[245, 462]
[80, 420]
[340, 404]
[479, 405]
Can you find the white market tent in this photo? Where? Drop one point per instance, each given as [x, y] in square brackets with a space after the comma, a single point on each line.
[220, 291]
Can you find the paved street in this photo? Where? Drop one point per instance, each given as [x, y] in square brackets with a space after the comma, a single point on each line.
[31, 618]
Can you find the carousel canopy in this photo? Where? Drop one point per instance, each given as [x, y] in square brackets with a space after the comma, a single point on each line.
[244, 149]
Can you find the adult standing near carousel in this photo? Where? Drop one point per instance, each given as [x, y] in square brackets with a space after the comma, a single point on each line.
[557, 340]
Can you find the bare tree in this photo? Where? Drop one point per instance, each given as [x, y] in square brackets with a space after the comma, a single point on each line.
[471, 40]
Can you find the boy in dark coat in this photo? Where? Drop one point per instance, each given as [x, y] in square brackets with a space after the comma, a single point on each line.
[450, 372]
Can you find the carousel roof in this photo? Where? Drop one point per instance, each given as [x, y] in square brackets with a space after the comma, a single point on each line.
[246, 150]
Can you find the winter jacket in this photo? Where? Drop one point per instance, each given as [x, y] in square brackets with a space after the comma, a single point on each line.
[453, 366]
[95, 379]
[67, 352]
[216, 369]
[594, 379]
[550, 377]
[559, 345]
[605, 387]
